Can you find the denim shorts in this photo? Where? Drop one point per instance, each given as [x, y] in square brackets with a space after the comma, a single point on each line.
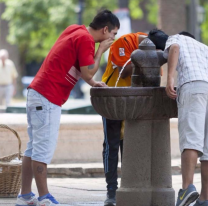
[43, 126]
[192, 101]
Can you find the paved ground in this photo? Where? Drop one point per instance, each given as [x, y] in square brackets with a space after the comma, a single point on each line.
[86, 191]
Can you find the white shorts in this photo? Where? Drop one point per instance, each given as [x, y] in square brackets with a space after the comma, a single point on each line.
[43, 126]
[192, 101]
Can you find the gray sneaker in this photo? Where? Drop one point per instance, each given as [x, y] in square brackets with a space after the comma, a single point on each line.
[187, 196]
[111, 199]
[200, 203]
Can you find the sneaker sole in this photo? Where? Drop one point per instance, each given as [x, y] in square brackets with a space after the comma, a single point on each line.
[24, 205]
[109, 204]
[191, 198]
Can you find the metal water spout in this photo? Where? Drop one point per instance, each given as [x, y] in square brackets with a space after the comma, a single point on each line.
[146, 65]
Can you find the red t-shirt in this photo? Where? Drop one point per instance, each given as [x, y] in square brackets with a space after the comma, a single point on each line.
[60, 70]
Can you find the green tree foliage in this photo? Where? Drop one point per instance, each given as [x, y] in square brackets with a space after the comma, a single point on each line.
[34, 25]
[135, 11]
[204, 26]
[152, 7]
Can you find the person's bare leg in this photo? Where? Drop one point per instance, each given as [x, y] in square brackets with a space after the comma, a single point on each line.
[27, 175]
[188, 164]
[40, 174]
[204, 179]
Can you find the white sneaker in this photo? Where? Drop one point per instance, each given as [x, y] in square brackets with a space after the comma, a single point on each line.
[46, 202]
[23, 202]
[49, 200]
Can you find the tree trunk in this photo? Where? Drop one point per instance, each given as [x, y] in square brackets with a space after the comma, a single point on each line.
[123, 3]
[172, 16]
[172, 20]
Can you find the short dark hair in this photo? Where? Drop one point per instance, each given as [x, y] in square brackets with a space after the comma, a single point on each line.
[105, 18]
[185, 33]
[159, 38]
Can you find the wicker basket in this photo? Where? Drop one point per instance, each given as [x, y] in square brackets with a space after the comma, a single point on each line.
[10, 172]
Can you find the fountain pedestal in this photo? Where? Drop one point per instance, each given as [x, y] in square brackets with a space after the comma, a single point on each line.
[146, 166]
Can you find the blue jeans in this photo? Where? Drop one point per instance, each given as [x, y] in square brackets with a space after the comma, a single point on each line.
[111, 145]
[43, 126]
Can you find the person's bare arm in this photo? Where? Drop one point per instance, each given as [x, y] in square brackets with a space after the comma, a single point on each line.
[87, 72]
[88, 77]
[94, 83]
[172, 64]
[126, 72]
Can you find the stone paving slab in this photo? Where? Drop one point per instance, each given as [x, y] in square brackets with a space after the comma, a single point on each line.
[86, 191]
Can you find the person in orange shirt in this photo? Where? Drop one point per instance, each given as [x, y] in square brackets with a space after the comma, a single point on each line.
[120, 52]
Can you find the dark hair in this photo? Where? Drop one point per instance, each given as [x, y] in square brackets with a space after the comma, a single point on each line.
[185, 33]
[159, 38]
[105, 18]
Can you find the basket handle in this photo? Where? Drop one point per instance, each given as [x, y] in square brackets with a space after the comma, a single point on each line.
[16, 134]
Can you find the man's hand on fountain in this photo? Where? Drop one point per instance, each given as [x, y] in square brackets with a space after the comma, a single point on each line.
[100, 84]
[170, 88]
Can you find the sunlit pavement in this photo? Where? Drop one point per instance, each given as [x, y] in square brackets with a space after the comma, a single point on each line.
[86, 191]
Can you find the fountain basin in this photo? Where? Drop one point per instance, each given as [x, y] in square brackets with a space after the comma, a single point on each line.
[133, 103]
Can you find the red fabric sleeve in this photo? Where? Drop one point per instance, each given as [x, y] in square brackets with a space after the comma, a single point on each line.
[86, 51]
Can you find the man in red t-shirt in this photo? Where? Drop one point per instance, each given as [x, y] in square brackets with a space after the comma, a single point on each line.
[72, 57]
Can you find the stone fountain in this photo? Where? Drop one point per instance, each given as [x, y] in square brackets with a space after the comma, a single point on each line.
[145, 107]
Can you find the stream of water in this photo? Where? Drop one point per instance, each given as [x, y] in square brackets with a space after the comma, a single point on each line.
[119, 76]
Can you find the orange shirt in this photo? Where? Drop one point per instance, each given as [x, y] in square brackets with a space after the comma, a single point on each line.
[120, 53]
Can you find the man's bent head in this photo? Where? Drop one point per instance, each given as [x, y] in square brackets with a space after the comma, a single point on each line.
[105, 18]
